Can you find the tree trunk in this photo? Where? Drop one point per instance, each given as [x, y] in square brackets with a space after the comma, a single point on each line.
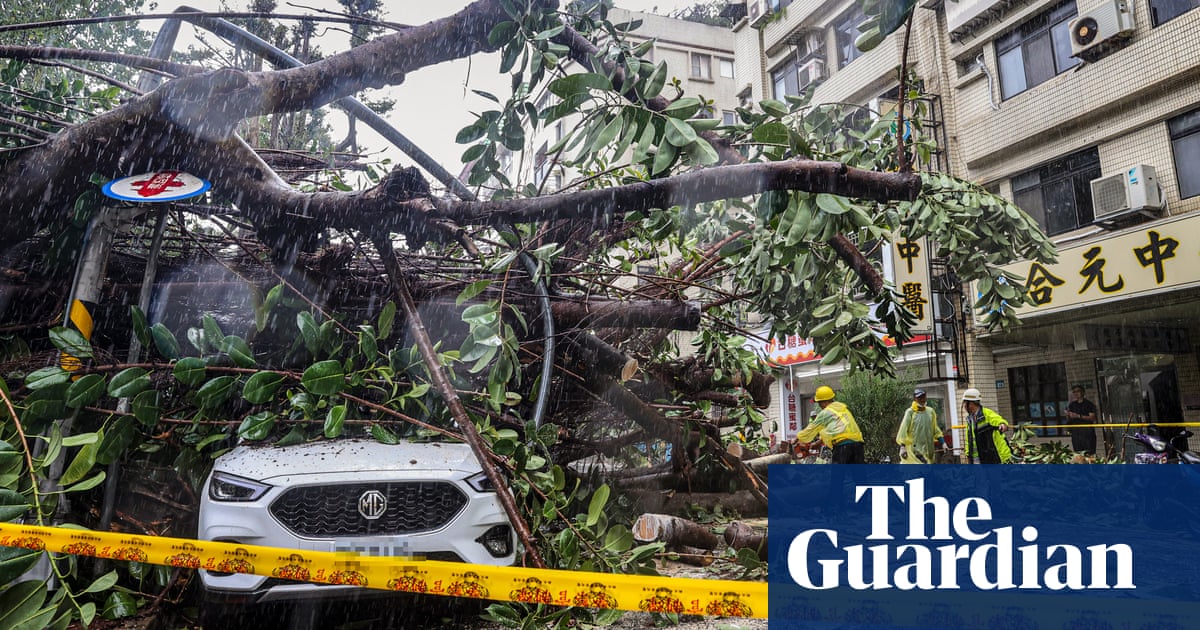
[674, 531]
[739, 535]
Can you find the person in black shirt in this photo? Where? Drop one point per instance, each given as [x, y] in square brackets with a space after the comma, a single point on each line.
[1082, 411]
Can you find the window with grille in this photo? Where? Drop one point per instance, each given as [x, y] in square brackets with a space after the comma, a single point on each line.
[1036, 51]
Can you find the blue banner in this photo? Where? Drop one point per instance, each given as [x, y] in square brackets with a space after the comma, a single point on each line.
[1021, 547]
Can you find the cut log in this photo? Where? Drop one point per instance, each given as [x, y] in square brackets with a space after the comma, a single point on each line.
[739, 535]
[693, 555]
[759, 464]
[674, 531]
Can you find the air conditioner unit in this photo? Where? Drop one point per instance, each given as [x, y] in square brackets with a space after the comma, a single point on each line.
[759, 11]
[1133, 190]
[1098, 29]
[813, 70]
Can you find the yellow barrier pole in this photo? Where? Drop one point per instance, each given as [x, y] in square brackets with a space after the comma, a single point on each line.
[726, 598]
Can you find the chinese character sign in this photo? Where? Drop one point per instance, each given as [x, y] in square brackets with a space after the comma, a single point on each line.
[1159, 257]
[910, 260]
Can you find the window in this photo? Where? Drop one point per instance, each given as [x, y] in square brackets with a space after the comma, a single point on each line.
[701, 66]
[729, 117]
[726, 68]
[1185, 145]
[1039, 397]
[847, 31]
[1165, 10]
[1058, 195]
[541, 165]
[792, 78]
[1036, 51]
[785, 80]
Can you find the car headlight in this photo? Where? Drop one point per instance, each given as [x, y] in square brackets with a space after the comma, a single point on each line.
[226, 487]
[480, 482]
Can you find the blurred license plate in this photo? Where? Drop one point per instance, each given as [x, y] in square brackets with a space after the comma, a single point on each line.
[390, 548]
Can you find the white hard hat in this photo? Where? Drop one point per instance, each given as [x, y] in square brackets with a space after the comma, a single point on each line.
[971, 395]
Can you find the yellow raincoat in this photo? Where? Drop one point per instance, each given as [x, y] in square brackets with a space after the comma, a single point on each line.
[918, 434]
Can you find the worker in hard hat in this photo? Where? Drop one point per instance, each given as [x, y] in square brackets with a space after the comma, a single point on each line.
[919, 436]
[986, 443]
[836, 427]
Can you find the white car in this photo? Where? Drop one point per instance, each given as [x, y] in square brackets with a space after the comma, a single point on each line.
[426, 499]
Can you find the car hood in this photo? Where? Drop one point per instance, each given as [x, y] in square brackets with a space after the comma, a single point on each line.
[325, 457]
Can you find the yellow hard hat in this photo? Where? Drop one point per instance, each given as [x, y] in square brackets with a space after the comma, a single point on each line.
[824, 392]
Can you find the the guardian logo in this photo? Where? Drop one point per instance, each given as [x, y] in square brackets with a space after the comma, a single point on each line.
[948, 547]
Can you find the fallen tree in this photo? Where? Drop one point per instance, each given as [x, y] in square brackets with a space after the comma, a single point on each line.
[524, 330]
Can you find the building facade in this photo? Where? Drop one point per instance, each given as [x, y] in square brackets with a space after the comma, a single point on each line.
[1086, 114]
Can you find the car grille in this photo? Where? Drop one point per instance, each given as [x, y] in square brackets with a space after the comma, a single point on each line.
[324, 511]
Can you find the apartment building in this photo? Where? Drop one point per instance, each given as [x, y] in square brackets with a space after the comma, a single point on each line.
[1086, 113]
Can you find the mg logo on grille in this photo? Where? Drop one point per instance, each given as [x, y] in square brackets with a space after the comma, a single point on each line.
[372, 504]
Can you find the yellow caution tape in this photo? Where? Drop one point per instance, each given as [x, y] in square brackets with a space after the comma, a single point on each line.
[726, 598]
[1112, 425]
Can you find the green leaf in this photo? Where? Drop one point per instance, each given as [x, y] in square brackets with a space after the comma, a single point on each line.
[215, 392]
[654, 85]
[469, 293]
[579, 83]
[239, 351]
[309, 331]
[324, 378]
[683, 108]
[257, 426]
[387, 317]
[607, 135]
[190, 371]
[102, 583]
[47, 377]
[141, 328]
[383, 435]
[261, 387]
[263, 311]
[119, 605]
[832, 204]
[596, 506]
[212, 331]
[774, 107]
[128, 383]
[85, 391]
[703, 153]
[145, 407]
[117, 439]
[335, 421]
[367, 344]
[21, 606]
[502, 33]
[164, 341]
[80, 466]
[679, 133]
[773, 132]
[87, 484]
[71, 342]
[12, 504]
[14, 562]
[664, 158]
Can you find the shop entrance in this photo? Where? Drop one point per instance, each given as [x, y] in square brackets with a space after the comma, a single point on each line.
[1139, 388]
